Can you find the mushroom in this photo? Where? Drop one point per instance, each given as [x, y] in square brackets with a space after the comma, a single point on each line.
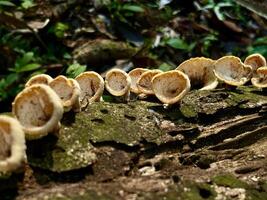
[255, 60]
[135, 75]
[144, 83]
[170, 87]
[200, 72]
[39, 79]
[230, 70]
[118, 83]
[39, 110]
[12, 144]
[261, 80]
[92, 86]
[68, 91]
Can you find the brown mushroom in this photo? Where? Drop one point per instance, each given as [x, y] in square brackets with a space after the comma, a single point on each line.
[92, 86]
[135, 75]
[200, 72]
[255, 61]
[38, 109]
[144, 83]
[230, 70]
[170, 87]
[39, 79]
[118, 83]
[68, 91]
[12, 144]
[260, 80]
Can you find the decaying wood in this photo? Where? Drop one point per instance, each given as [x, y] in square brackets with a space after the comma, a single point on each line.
[211, 146]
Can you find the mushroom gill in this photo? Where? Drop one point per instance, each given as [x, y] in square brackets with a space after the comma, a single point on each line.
[68, 91]
[170, 87]
[12, 144]
[144, 83]
[230, 70]
[135, 75]
[39, 79]
[260, 80]
[200, 72]
[118, 83]
[255, 60]
[38, 109]
[92, 86]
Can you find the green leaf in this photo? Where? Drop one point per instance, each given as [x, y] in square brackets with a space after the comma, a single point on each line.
[133, 8]
[24, 60]
[177, 43]
[6, 3]
[27, 4]
[29, 67]
[165, 67]
[75, 69]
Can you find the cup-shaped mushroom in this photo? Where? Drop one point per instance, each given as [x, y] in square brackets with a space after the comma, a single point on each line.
[230, 70]
[12, 144]
[200, 72]
[255, 60]
[39, 110]
[135, 75]
[144, 83]
[260, 80]
[92, 86]
[39, 79]
[118, 83]
[170, 87]
[68, 91]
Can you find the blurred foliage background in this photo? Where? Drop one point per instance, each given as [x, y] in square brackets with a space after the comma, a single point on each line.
[71, 36]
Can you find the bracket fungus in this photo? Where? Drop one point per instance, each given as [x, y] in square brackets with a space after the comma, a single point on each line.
[255, 60]
[92, 86]
[39, 110]
[200, 72]
[118, 83]
[39, 79]
[135, 75]
[261, 80]
[170, 87]
[144, 83]
[12, 144]
[68, 91]
[230, 70]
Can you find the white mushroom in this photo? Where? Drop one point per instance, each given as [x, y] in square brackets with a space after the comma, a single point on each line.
[39, 79]
[118, 83]
[200, 72]
[144, 83]
[230, 70]
[255, 60]
[12, 144]
[68, 91]
[170, 87]
[92, 86]
[39, 110]
[135, 75]
[261, 80]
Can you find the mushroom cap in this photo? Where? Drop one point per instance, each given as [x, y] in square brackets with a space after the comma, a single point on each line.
[200, 72]
[255, 60]
[39, 79]
[261, 80]
[135, 75]
[92, 86]
[170, 87]
[12, 144]
[38, 109]
[144, 83]
[68, 91]
[117, 82]
[232, 71]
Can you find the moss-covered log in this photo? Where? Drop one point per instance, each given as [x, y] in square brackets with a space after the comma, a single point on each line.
[211, 146]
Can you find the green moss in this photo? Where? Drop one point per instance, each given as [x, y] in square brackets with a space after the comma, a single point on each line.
[228, 180]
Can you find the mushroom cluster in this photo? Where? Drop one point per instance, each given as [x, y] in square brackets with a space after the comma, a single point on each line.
[39, 107]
